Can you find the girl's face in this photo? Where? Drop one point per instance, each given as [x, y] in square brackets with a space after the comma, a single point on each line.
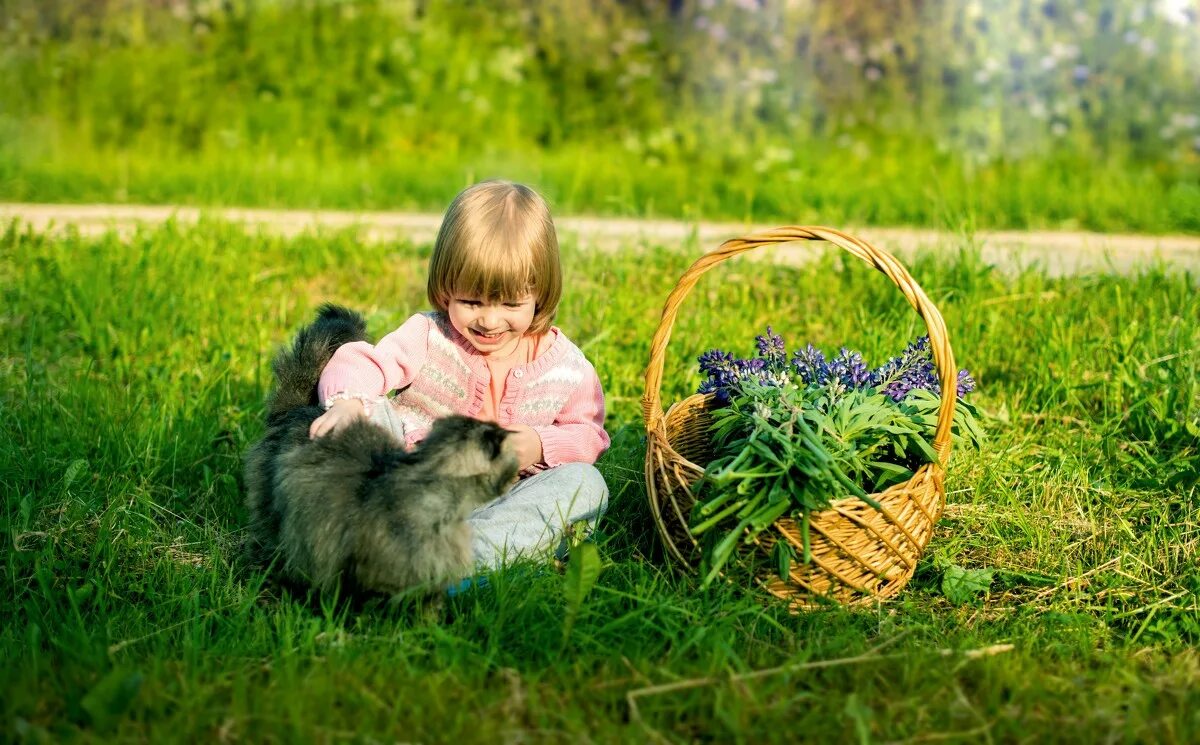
[491, 327]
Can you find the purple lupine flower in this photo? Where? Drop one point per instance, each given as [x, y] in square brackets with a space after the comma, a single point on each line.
[849, 368]
[918, 373]
[772, 351]
[914, 369]
[966, 383]
[715, 360]
[811, 366]
[725, 372]
[722, 372]
[751, 367]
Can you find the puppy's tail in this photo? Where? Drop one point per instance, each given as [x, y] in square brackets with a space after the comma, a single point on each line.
[298, 369]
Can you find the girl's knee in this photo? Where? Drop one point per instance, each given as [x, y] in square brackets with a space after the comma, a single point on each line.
[584, 478]
[577, 489]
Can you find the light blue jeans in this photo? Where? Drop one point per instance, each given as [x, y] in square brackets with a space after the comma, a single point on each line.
[541, 514]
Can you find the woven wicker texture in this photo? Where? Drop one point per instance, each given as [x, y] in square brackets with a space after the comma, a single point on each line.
[859, 554]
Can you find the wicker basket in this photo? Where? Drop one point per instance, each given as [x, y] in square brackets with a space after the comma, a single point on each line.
[859, 554]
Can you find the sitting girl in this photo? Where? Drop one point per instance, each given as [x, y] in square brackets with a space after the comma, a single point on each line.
[489, 351]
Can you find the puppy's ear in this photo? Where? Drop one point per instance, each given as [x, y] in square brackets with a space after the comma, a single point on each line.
[493, 440]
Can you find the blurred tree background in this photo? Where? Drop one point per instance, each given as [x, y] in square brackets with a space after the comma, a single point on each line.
[1000, 113]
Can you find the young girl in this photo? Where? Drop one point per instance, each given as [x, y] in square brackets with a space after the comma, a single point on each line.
[489, 351]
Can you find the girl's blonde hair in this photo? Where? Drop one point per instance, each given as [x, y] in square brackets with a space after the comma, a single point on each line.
[497, 243]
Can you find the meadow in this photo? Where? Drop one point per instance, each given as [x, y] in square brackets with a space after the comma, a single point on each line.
[133, 372]
[991, 114]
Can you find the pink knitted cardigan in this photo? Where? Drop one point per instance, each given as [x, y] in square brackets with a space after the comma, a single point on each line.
[438, 372]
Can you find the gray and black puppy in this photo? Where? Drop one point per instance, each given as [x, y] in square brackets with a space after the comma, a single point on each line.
[355, 506]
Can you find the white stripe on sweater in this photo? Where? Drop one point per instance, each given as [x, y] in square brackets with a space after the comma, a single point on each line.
[450, 350]
[564, 375]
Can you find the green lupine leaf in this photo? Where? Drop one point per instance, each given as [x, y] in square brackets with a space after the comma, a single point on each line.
[783, 556]
[926, 449]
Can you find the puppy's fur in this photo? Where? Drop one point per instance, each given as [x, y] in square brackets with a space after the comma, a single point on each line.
[355, 506]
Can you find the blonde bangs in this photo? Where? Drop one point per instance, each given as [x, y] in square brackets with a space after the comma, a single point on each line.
[492, 272]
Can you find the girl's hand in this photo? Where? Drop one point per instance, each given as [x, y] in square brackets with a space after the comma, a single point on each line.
[526, 445]
[338, 416]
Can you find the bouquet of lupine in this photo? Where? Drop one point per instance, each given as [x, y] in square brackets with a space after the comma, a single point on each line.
[794, 433]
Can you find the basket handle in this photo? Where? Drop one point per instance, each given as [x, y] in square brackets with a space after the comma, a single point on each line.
[943, 355]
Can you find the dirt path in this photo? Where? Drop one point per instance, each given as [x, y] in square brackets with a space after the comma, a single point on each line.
[1059, 252]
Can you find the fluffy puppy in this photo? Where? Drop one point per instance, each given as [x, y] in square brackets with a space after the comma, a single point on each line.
[355, 507]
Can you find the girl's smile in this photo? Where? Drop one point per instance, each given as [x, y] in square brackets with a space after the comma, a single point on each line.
[482, 339]
[493, 328]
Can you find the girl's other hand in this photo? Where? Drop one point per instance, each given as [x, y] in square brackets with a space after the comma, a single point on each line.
[338, 416]
[527, 446]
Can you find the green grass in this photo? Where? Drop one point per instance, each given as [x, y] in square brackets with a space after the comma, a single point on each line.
[903, 181]
[132, 376]
[614, 108]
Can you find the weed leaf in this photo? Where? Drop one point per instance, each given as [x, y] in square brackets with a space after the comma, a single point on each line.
[583, 569]
[963, 585]
[77, 466]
